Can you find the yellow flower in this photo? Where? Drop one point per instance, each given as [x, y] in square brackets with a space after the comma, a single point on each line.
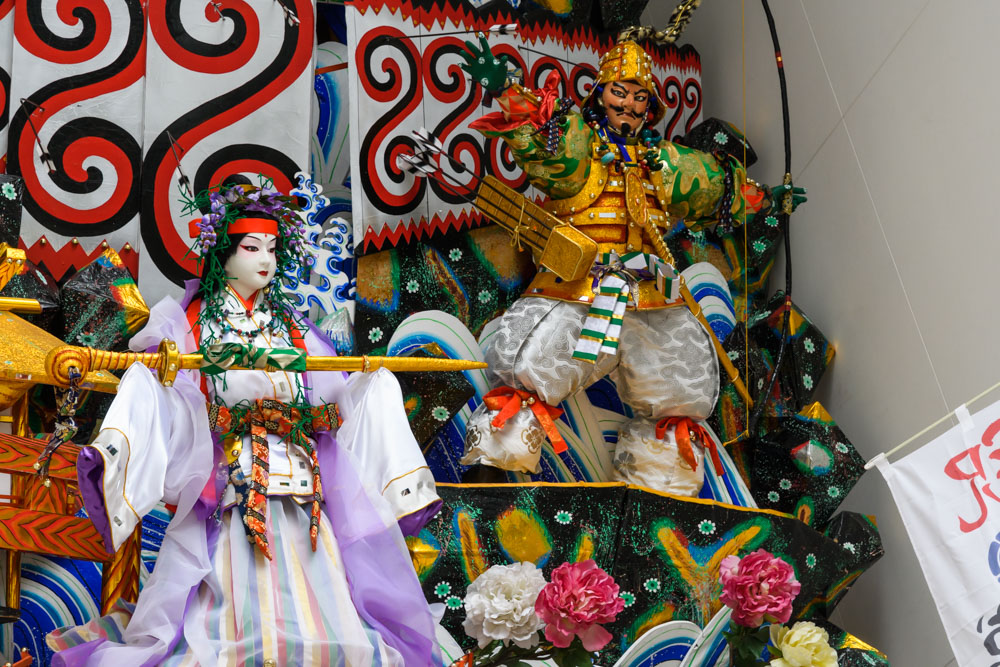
[804, 645]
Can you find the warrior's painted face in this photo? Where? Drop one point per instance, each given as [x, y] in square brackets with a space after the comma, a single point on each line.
[625, 103]
[253, 264]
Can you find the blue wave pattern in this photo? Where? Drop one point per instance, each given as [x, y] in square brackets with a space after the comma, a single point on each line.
[330, 284]
[711, 290]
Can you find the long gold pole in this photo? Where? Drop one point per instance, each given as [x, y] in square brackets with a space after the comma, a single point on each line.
[167, 361]
[363, 363]
[30, 306]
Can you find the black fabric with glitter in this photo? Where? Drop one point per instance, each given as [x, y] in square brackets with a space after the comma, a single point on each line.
[737, 258]
[474, 276]
[34, 282]
[808, 353]
[857, 533]
[851, 651]
[431, 399]
[729, 419]
[620, 14]
[11, 191]
[806, 467]
[714, 135]
[97, 304]
[664, 552]
[755, 254]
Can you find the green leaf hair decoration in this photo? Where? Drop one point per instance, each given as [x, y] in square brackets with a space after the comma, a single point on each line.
[220, 206]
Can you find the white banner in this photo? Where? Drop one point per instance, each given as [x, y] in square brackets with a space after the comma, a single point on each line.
[405, 76]
[948, 493]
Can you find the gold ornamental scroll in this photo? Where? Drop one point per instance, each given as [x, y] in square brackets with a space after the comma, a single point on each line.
[167, 361]
[23, 349]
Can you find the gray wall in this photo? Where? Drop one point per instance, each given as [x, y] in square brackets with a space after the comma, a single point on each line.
[893, 107]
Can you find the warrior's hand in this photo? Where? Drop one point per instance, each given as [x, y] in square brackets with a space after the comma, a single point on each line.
[486, 69]
[779, 192]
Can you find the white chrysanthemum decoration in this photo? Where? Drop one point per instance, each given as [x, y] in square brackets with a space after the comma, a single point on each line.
[500, 605]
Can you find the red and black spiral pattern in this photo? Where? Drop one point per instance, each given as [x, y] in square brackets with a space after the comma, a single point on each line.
[83, 137]
[692, 102]
[500, 159]
[164, 245]
[5, 8]
[390, 83]
[463, 98]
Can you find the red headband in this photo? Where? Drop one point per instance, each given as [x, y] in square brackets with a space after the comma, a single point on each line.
[241, 226]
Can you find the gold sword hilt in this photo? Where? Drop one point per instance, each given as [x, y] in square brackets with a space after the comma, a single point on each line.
[60, 360]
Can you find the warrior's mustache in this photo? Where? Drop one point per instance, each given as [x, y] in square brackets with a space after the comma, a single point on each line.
[622, 112]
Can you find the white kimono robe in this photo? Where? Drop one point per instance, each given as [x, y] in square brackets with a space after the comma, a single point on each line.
[213, 598]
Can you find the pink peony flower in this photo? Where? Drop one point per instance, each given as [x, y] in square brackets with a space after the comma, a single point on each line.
[579, 597]
[758, 587]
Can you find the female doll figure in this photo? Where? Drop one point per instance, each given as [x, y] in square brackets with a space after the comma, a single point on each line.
[287, 543]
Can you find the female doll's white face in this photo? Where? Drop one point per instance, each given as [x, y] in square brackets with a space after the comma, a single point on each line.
[252, 266]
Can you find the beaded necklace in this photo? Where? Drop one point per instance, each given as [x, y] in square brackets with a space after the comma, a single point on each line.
[223, 324]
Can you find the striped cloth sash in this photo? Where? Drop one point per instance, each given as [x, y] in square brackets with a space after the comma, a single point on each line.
[615, 280]
[296, 423]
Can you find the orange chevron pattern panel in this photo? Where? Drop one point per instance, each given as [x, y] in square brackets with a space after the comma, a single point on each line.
[18, 455]
[121, 574]
[47, 533]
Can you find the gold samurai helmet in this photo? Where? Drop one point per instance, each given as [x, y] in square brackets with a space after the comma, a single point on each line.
[627, 61]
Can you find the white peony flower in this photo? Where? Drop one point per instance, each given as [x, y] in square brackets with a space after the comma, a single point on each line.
[804, 645]
[500, 604]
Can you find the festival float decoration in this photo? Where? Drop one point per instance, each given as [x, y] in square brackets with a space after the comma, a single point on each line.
[431, 280]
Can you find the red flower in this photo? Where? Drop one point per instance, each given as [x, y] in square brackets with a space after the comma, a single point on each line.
[758, 587]
[579, 598]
